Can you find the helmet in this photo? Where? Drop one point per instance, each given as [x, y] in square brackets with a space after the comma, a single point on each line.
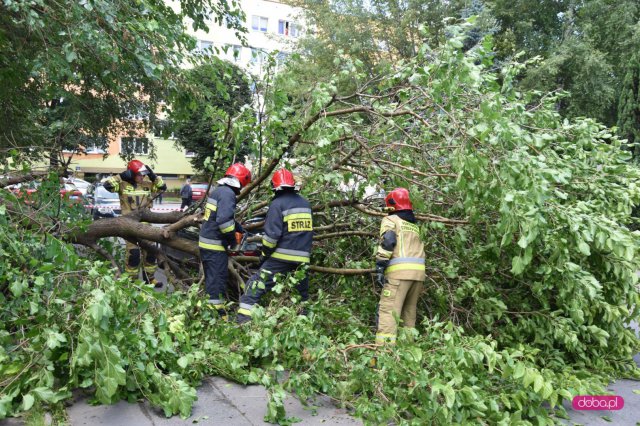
[240, 172]
[137, 167]
[398, 199]
[282, 178]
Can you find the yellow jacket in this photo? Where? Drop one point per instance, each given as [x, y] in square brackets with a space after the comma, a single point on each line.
[133, 196]
[406, 258]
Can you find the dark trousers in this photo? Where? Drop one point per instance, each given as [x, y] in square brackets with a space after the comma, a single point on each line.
[265, 275]
[216, 273]
[135, 256]
[186, 202]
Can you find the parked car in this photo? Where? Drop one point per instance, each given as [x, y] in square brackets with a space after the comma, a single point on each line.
[81, 185]
[199, 191]
[102, 203]
[27, 190]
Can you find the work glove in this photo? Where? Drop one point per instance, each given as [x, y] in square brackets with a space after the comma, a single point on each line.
[162, 187]
[108, 186]
[380, 278]
[127, 175]
[152, 175]
[229, 240]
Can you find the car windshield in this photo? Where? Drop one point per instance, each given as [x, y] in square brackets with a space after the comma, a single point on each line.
[103, 193]
[199, 186]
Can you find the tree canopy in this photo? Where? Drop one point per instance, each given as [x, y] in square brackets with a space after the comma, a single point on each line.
[215, 93]
[582, 48]
[75, 71]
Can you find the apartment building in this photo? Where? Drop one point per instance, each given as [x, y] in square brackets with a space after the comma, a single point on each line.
[272, 26]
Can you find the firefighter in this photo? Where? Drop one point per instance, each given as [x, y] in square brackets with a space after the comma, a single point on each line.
[286, 244]
[135, 186]
[400, 269]
[217, 233]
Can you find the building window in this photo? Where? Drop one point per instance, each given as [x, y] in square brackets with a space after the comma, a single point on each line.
[233, 51]
[288, 29]
[138, 146]
[258, 56]
[259, 23]
[161, 130]
[94, 144]
[205, 47]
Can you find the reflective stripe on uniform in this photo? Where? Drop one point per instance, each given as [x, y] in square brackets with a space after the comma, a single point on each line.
[296, 210]
[245, 309]
[209, 244]
[385, 338]
[297, 216]
[228, 226]
[158, 182]
[269, 242]
[135, 192]
[217, 303]
[405, 267]
[384, 253]
[397, 260]
[212, 204]
[292, 255]
[114, 183]
[405, 264]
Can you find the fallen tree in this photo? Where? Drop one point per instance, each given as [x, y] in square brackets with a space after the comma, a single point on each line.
[531, 266]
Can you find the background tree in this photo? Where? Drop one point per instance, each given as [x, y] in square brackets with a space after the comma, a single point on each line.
[585, 49]
[215, 93]
[72, 70]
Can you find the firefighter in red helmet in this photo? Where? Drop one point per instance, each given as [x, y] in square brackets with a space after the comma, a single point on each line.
[286, 245]
[217, 233]
[136, 186]
[400, 269]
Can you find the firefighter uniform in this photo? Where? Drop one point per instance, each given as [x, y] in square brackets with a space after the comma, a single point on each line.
[288, 235]
[402, 253]
[133, 196]
[216, 235]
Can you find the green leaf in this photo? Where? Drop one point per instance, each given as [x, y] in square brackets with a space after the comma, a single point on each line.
[18, 287]
[449, 395]
[584, 248]
[27, 402]
[416, 353]
[184, 361]
[537, 383]
[517, 265]
[71, 56]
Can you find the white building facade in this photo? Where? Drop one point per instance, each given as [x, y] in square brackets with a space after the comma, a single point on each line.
[272, 27]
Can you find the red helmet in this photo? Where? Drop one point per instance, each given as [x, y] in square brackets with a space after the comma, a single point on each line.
[240, 172]
[282, 178]
[137, 167]
[398, 199]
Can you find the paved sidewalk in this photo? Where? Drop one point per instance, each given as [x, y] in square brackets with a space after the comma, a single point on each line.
[220, 402]
[628, 416]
